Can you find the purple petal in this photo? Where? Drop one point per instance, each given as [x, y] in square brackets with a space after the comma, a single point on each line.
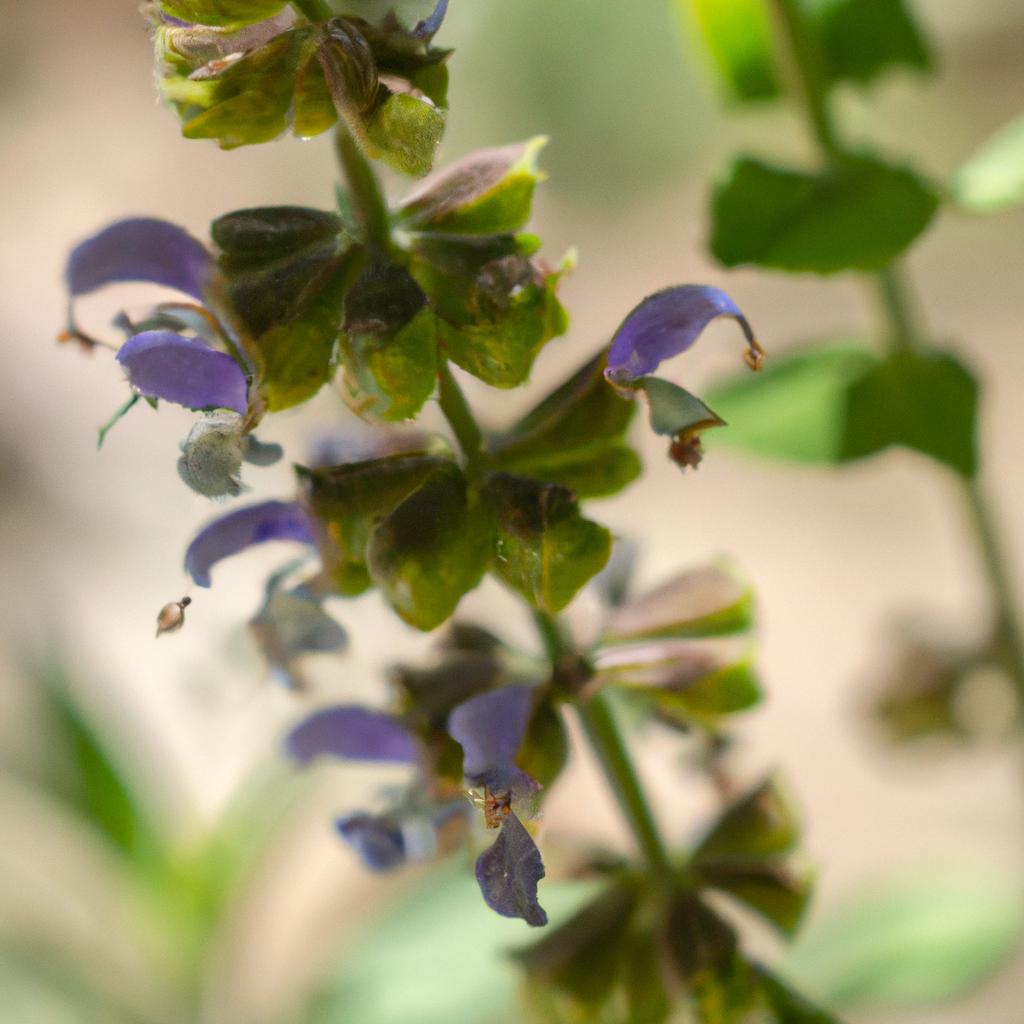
[428, 26]
[161, 364]
[139, 249]
[665, 324]
[238, 530]
[509, 871]
[352, 732]
[490, 729]
[377, 840]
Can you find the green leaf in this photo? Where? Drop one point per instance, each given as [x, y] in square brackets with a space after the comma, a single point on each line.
[404, 132]
[857, 215]
[796, 407]
[544, 750]
[787, 1006]
[583, 956]
[926, 401]
[863, 38]
[643, 979]
[544, 549]
[486, 193]
[496, 309]
[993, 178]
[390, 377]
[699, 941]
[702, 699]
[762, 823]
[774, 890]
[923, 938]
[222, 12]
[431, 550]
[285, 273]
[738, 34]
[573, 437]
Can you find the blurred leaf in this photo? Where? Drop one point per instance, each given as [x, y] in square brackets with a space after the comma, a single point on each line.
[390, 376]
[572, 437]
[921, 939]
[774, 890]
[221, 12]
[862, 38]
[647, 998]
[432, 549]
[857, 215]
[738, 34]
[704, 698]
[544, 548]
[993, 178]
[700, 943]
[795, 408]
[449, 951]
[762, 823]
[926, 401]
[583, 956]
[545, 748]
[486, 193]
[709, 601]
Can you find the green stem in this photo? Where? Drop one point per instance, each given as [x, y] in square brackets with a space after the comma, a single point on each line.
[367, 197]
[458, 414]
[314, 10]
[809, 74]
[606, 741]
[902, 321]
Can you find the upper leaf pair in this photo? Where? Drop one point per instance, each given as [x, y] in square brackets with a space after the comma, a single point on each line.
[249, 85]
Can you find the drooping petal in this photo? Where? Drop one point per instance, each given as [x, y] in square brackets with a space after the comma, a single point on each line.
[238, 530]
[352, 732]
[490, 730]
[161, 364]
[139, 249]
[377, 840]
[666, 324]
[508, 873]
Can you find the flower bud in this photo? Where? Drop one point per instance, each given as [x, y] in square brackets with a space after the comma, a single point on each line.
[212, 455]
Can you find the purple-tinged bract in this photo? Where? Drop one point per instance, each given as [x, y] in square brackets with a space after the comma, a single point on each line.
[238, 530]
[352, 732]
[139, 249]
[666, 324]
[508, 873]
[162, 364]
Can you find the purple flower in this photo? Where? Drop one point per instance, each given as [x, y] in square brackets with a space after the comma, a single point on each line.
[428, 26]
[378, 839]
[490, 730]
[509, 871]
[666, 324]
[139, 249]
[238, 530]
[161, 364]
[352, 732]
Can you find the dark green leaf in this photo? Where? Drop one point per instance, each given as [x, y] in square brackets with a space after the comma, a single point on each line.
[544, 548]
[222, 12]
[390, 377]
[788, 1006]
[431, 550]
[431, 694]
[738, 34]
[923, 938]
[352, 498]
[583, 956]
[857, 215]
[862, 38]
[795, 408]
[255, 237]
[993, 178]
[643, 979]
[774, 890]
[486, 193]
[699, 941]
[926, 401]
[573, 437]
[760, 824]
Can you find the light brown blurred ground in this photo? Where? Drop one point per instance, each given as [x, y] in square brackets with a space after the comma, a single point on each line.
[91, 543]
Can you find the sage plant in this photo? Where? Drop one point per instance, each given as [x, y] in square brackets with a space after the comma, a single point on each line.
[389, 302]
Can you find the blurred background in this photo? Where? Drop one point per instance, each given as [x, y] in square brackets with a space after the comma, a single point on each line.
[256, 904]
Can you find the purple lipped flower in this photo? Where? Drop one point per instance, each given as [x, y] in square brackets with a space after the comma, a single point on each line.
[352, 732]
[162, 364]
[139, 249]
[508, 873]
[238, 530]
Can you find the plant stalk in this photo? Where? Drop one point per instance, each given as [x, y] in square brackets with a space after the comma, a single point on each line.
[368, 200]
[906, 333]
[458, 414]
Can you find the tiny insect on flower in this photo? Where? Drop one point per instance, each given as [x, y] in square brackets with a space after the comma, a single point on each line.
[172, 616]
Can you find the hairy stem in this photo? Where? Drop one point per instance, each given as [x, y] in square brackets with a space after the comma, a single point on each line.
[368, 200]
[602, 731]
[458, 414]
[314, 10]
